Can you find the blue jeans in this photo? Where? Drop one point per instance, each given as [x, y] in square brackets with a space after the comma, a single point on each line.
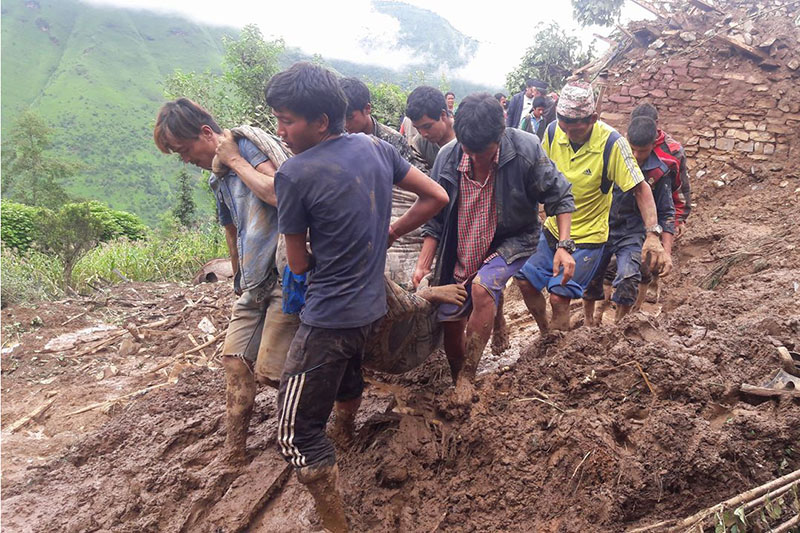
[625, 271]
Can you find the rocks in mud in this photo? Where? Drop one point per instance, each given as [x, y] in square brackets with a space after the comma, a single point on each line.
[392, 475]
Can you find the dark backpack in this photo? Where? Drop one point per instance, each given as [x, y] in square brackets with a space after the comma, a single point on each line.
[605, 183]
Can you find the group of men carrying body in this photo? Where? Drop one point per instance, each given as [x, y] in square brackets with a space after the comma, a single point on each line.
[308, 230]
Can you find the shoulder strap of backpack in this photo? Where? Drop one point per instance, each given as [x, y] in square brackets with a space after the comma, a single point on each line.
[551, 132]
[605, 183]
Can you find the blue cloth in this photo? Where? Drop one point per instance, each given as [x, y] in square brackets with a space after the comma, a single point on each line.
[294, 291]
[538, 270]
[256, 221]
[341, 190]
[625, 219]
[492, 276]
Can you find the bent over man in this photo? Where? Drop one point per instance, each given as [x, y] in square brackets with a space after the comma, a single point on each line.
[243, 183]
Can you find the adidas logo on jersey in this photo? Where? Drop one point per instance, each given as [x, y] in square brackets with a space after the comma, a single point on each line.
[588, 172]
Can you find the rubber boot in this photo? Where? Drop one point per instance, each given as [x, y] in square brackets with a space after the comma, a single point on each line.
[240, 393]
[321, 483]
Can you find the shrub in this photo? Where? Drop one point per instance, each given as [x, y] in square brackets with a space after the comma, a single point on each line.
[117, 223]
[19, 224]
[29, 277]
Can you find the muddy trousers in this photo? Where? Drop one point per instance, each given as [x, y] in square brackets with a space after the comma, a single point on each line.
[323, 366]
[620, 267]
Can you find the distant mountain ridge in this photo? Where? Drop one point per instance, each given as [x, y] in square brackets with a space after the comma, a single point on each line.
[95, 74]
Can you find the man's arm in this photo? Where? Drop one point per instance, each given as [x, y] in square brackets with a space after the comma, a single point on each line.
[300, 260]
[431, 198]
[260, 180]
[233, 249]
[652, 250]
[425, 259]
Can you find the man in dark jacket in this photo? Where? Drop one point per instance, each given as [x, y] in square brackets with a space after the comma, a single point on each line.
[495, 177]
[522, 102]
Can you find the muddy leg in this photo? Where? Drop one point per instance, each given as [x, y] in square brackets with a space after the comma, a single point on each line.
[240, 393]
[622, 310]
[343, 431]
[500, 337]
[604, 305]
[560, 307]
[454, 346]
[640, 298]
[479, 328]
[588, 313]
[534, 301]
[321, 483]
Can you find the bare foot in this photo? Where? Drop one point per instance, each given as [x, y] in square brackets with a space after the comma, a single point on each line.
[464, 392]
[454, 294]
[500, 337]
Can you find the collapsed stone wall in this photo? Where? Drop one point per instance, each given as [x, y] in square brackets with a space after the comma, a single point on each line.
[725, 81]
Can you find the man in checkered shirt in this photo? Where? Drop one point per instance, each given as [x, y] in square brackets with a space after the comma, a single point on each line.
[496, 177]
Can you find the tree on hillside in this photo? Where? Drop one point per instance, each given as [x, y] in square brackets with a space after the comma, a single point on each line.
[552, 57]
[70, 234]
[388, 103]
[31, 175]
[600, 12]
[185, 207]
[237, 95]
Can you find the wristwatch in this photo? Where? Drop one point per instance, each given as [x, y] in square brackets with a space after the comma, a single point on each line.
[654, 229]
[568, 245]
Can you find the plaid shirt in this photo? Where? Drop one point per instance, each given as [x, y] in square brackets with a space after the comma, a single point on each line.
[477, 219]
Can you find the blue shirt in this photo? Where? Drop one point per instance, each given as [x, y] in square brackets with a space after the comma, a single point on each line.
[341, 192]
[256, 221]
[625, 218]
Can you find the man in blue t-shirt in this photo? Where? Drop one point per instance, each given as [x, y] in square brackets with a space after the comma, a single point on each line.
[337, 190]
[243, 184]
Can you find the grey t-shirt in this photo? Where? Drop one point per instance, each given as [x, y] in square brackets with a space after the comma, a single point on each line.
[341, 191]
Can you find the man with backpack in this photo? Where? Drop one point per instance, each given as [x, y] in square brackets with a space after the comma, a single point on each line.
[593, 157]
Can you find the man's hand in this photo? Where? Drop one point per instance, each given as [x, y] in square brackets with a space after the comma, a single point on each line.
[227, 149]
[562, 258]
[667, 268]
[680, 229]
[654, 256]
[419, 274]
[393, 236]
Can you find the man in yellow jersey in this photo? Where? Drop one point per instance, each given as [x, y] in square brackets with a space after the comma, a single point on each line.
[593, 157]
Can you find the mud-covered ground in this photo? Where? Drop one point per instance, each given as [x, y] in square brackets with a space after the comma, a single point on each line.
[594, 430]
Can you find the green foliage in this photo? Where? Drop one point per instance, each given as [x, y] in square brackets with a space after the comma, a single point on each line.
[237, 95]
[552, 57]
[185, 207]
[174, 256]
[29, 276]
[20, 224]
[388, 102]
[117, 224]
[31, 175]
[69, 234]
[600, 12]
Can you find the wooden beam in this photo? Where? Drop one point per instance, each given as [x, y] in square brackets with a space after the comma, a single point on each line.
[739, 45]
[704, 6]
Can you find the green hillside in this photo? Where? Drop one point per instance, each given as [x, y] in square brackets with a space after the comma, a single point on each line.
[95, 75]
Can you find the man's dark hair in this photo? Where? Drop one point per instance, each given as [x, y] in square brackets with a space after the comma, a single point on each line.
[357, 94]
[645, 110]
[309, 91]
[642, 131]
[499, 96]
[479, 121]
[539, 101]
[425, 100]
[539, 84]
[449, 93]
[181, 119]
